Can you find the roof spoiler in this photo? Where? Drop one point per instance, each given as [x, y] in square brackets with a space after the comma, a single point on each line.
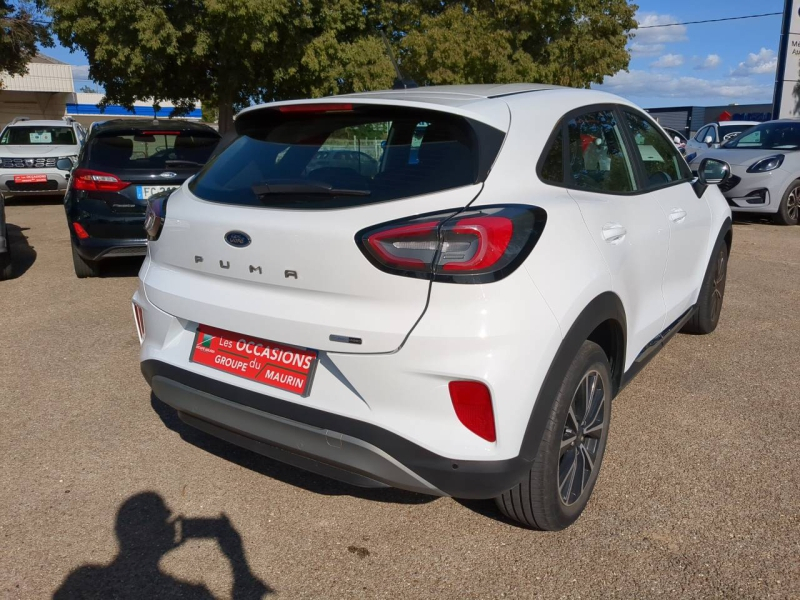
[18, 119]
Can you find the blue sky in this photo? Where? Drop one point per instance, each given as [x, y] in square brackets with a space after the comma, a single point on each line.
[703, 65]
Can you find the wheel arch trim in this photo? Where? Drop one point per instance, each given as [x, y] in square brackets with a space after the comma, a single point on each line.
[605, 307]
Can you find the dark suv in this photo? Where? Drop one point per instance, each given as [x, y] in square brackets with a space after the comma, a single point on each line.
[123, 163]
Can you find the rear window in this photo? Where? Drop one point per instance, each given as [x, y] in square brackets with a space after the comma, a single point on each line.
[144, 149]
[341, 156]
[33, 136]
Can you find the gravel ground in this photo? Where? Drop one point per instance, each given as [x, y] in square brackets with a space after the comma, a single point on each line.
[698, 497]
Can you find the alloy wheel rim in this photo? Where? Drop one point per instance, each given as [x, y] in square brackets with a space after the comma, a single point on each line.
[793, 205]
[718, 289]
[581, 437]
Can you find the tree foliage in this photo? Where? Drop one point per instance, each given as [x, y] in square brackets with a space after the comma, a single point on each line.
[21, 28]
[228, 53]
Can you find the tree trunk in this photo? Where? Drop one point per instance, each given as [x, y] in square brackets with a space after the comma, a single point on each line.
[225, 117]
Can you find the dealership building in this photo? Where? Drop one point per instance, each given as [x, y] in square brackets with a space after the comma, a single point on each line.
[689, 119]
[47, 91]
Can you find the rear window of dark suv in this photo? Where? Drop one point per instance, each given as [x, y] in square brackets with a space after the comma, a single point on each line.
[336, 155]
[123, 149]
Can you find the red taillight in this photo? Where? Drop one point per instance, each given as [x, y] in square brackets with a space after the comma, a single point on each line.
[97, 181]
[139, 318]
[472, 402]
[316, 108]
[474, 246]
[80, 231]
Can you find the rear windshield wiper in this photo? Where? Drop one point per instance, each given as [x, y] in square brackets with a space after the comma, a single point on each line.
[186, 163]
[289, 187]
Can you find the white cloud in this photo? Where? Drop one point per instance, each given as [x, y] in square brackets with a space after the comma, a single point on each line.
[80, 72]
[763, 63]
[659, 35]
[704, 92]
[668, 61]
[637, 49]
[712, 61]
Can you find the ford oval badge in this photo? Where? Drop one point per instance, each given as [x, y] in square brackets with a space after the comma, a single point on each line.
[237, 239]
[168, 175]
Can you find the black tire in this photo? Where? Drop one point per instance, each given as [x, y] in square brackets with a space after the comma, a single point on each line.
[6, 266]
[83, 268]
[789, 208]
[547, 498]
[712, 294]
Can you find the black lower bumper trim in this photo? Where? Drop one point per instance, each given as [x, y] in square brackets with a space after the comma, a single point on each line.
[457, 478]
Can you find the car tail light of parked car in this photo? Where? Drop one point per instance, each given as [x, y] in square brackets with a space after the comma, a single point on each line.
[97, 181]
[473, 246]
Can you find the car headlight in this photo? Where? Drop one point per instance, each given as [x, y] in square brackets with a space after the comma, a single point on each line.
[767, 164]
[66, 163]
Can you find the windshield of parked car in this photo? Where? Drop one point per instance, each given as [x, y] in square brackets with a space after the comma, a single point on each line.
[341, 155]
[729, 132]
[151, 149]
[34, 135]
[769, 136]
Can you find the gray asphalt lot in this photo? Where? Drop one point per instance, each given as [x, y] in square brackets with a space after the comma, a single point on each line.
[699, 496]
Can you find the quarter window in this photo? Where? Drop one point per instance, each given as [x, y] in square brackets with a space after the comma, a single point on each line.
[662, 162]
[701, 135]
[597, 156]
[553, 165]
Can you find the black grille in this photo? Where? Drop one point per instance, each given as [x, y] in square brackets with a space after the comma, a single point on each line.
[45, 186]
[29, 163]
[731, 183]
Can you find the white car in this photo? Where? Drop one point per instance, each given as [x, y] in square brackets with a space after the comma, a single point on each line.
[765, 170]
[456, 324]
[36, 157]
[713, 135]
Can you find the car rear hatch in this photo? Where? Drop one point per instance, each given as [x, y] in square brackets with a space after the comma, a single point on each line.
[263, 241]
[124, 167]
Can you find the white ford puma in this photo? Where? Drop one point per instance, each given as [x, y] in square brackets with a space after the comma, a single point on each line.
[438, 289]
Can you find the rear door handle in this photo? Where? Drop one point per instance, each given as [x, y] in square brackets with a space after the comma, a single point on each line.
[614, 233]
[677, 215]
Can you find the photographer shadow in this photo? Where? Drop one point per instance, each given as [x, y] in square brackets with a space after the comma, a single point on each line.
[278, 470]
[146, 533]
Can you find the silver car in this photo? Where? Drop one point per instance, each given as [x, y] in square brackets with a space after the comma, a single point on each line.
[36, 157]
[765, 170]
[714, 135]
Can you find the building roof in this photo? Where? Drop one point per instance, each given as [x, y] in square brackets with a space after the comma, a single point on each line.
[46, 60]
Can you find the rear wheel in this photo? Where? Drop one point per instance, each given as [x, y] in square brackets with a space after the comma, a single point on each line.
[709, 303]
[83, 268]
[6, 266]
[556, 490]
[789, 209]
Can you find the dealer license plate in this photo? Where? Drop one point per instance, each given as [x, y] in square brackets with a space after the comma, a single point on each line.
[143, 192]
[38, 178]
[273, 364]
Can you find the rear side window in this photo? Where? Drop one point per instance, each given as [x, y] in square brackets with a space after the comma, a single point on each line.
[151, 150]
[341, 155]
[553, 164]
[33, 136]
[663, 164]
[597, 155]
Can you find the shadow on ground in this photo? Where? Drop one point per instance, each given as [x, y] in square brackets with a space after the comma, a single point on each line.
[275, 469]
[23, 254]
[146, 531]
[121, 267]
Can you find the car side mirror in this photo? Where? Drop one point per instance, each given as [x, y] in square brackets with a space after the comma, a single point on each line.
[709, 140]
[713, 172]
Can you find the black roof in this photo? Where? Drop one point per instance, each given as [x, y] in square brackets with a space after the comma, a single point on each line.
[152, 125]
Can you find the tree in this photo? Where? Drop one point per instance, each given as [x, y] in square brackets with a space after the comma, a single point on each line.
[229, 53]
[21, 28]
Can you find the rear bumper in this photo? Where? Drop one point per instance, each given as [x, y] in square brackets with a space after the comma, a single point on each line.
[332, 445]
[99, 248]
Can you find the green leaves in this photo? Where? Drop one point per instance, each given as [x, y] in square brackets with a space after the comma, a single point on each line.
[229, 53]
[21, 27]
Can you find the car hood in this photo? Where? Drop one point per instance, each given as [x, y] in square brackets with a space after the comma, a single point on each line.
[39, 150]
[744, 157]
